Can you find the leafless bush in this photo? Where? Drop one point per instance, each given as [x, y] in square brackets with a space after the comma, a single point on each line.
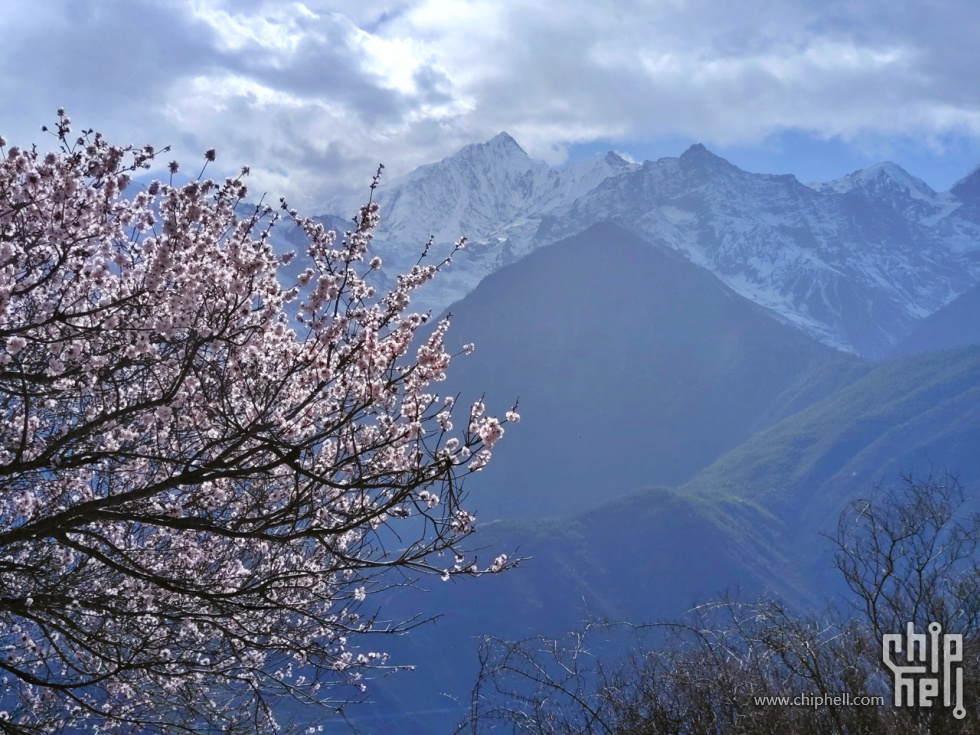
[733, 668]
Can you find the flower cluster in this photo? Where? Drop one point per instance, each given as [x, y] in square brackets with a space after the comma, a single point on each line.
[203, 472]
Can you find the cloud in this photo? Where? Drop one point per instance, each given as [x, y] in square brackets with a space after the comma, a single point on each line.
[312, 95]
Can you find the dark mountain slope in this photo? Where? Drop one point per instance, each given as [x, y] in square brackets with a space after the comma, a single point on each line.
[955, 325]
[633, 367]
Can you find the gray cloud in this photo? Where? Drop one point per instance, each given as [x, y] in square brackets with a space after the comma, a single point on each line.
[110, 56]
[313, 95]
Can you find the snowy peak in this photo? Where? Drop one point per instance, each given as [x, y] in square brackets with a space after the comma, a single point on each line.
[879, 178]
[895, 175]
[503, 141]
[578, 178]
[697, 166]
[501, 147]
[484, 191]
[473, 192]
[500, 153]
[614, 160]
[697, 152]
[697, 156]
[888, 186]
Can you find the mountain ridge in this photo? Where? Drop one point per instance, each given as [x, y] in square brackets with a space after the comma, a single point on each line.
[856, 262]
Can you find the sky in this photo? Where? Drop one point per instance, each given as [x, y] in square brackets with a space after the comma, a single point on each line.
[312, 96]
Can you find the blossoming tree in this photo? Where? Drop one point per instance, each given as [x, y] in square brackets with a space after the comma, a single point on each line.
[204, 473]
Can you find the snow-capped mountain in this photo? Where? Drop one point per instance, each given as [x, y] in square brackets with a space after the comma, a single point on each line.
[493, 193]
[481, 190]
[855, 262]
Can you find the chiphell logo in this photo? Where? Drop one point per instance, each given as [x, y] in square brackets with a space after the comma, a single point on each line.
[931, 662]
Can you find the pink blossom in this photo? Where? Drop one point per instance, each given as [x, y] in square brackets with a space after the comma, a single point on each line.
[194, 487]
[15, 344]
[489, 432]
